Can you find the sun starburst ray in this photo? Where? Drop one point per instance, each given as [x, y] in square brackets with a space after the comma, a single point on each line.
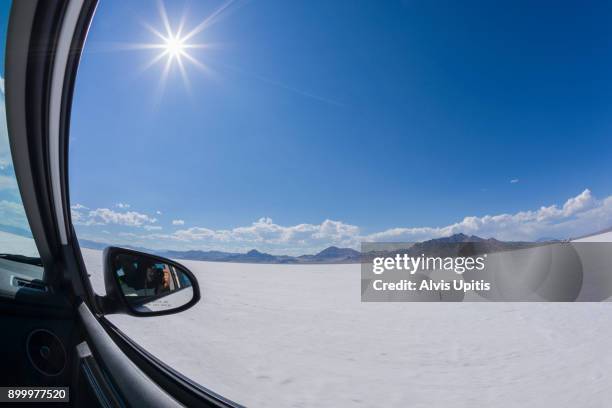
[184, 74]
[154, 60]
[195, 62]
[208, 21]
[164, 16]
[176, 46]
[154, 31]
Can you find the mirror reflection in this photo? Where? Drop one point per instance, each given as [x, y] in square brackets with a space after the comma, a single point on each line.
[152, 286]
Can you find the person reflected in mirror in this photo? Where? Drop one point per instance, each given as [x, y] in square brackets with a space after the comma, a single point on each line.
[157, 279]
[167, 279]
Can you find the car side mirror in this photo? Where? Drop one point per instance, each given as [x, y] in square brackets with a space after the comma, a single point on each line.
[141, 284]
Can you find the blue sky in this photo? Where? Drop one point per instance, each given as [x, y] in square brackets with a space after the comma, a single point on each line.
[332, 122]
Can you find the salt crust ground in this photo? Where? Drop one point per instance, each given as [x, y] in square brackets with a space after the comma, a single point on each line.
[298, 336]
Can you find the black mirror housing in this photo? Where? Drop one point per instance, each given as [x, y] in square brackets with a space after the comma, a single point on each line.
[141, 284]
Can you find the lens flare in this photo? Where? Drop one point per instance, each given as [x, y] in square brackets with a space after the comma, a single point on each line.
[176, 45]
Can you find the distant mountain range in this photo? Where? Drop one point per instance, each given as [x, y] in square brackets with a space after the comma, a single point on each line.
[331, 254]
[455, 245]
[328, 255]
[458, 245]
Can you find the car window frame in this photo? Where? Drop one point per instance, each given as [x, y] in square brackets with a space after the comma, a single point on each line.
[32, 36]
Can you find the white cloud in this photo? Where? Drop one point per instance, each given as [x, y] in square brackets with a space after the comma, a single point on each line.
[263, 234]
[583, 201]
[579, 215]
[266, 231]
[158, 212]
[5, 154]
[129, 218]
[78, 206]
[514, 181]
[78, 218]
[152, 227]
[178, 222]
[105, 216]
[8, 183]
[13, 214]
[122, 205]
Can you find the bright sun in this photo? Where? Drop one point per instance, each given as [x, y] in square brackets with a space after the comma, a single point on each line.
[175, 46]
